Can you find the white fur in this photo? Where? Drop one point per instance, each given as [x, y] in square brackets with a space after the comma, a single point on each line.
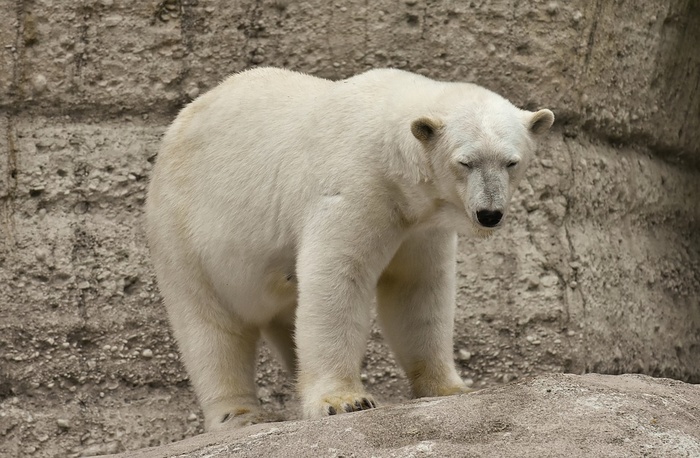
[283, 204]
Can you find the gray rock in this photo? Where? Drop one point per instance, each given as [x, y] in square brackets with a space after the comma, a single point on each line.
[556, 415]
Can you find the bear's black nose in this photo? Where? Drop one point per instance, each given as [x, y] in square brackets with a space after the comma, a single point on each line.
[489, 218]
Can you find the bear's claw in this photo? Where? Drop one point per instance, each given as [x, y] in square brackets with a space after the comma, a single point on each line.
[369, 403]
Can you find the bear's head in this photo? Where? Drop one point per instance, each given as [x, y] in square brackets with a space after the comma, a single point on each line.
[478, 153]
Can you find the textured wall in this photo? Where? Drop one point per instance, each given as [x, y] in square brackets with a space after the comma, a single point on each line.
[598, 270]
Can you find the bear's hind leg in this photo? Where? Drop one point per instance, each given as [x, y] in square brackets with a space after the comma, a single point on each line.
[219, 352]
[416, 300]
[279, 334]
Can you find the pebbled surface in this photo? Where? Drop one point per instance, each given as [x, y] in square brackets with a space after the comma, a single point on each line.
[597, 270]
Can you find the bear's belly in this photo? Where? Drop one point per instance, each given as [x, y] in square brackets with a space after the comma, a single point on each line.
[256, 286]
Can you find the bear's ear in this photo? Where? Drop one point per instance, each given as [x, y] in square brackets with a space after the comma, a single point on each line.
[425, 129]
[541, 121]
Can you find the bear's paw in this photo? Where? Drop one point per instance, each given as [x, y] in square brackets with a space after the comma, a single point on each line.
[241, 417]
[342, 403]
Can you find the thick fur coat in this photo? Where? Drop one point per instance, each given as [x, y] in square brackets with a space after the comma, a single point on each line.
[282, 204]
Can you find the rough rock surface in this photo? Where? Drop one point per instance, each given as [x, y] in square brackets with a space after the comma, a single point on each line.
[556, 415]
[597, 270]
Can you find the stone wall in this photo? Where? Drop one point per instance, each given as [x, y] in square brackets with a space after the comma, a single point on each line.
[598, 270]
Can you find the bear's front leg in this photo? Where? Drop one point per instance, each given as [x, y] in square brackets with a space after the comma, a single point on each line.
[416, 301]
[338, 268]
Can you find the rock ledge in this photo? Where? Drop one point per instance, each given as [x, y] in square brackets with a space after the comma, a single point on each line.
[554, 415]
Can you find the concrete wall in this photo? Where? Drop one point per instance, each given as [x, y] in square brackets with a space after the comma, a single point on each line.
[599, 269]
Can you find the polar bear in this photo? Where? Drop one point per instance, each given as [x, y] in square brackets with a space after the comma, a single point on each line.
[283, 204]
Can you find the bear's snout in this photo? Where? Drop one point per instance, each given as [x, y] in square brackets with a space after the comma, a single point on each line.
[489, 218]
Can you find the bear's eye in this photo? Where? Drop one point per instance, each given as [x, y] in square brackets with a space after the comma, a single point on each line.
[512, 164]
[467, 164]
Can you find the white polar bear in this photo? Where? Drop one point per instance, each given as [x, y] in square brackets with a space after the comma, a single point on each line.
[283, 204]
